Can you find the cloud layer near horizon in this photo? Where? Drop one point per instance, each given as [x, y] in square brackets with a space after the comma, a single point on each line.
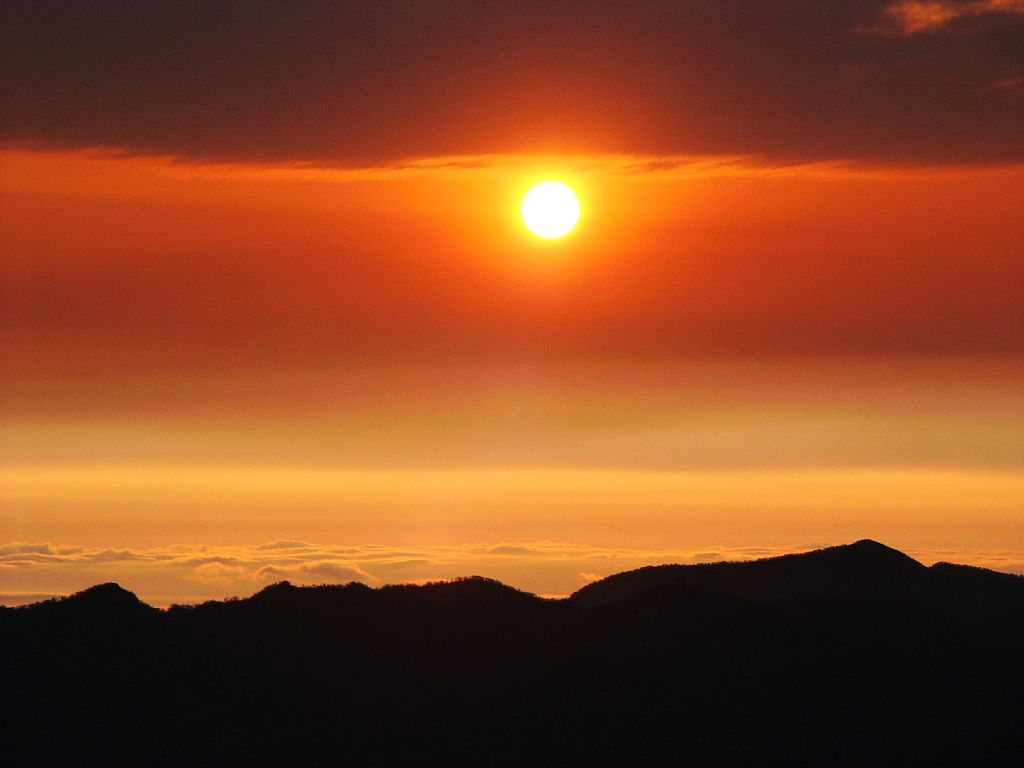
[186, 574]
[357, 81]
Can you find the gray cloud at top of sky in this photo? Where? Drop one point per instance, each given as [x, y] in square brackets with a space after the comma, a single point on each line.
[368, 82]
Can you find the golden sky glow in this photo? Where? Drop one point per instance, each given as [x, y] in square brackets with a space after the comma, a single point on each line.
[216, 373]
[445, 467]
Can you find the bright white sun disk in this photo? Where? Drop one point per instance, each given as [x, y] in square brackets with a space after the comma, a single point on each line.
[550, 210]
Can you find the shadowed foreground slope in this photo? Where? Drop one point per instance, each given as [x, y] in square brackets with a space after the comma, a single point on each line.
[853, 655]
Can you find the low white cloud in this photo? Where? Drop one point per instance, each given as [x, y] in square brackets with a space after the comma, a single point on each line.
[114, 555]
[17, 548]
[218, 573]
[283, 545]
[507, 549]
[333, 571]
[705, 557]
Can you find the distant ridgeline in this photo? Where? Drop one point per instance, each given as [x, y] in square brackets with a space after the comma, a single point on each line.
[848, 656]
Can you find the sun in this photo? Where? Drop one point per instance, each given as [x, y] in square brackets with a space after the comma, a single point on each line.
[550, 210]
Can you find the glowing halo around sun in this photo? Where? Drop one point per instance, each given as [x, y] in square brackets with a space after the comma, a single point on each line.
[550, 210]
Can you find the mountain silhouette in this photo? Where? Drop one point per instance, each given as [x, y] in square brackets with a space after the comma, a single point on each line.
[863, 568]
[847, 656]
[111, 600]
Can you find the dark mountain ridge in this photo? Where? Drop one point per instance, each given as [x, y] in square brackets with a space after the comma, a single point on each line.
[863, 569]
[844, 656]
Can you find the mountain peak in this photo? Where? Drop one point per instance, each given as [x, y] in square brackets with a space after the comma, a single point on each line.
[110, 593]
[105, 602]
[278, 587]
[277, 592]
[868, 555]
[864, 567]
[870, 545]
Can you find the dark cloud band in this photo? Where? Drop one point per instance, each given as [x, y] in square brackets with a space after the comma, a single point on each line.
[375, 81]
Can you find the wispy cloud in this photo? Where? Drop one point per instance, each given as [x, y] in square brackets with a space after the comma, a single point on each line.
[126, 174]
[192, 574]
[912, 17]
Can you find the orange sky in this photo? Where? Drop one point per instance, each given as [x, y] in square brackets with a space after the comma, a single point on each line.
[275, 264]
[267, 308]
[725, 355]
